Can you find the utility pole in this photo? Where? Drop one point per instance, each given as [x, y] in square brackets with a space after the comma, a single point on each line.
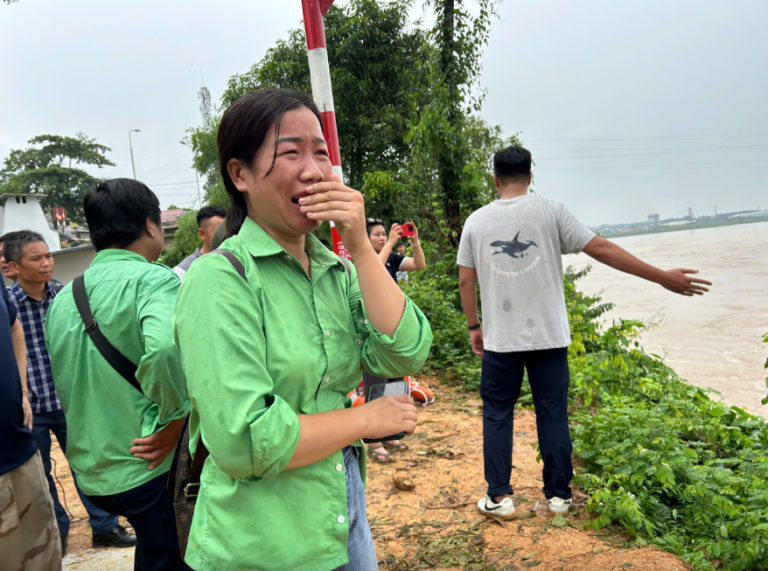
[197, 179]
[130, 145]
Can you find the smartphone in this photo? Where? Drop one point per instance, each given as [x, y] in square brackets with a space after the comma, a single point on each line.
[408, 230]
[387, 389]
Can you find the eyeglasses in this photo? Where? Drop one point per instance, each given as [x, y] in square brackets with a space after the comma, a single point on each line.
[374, 221]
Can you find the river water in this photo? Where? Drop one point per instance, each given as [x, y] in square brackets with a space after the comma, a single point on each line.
[713, 341]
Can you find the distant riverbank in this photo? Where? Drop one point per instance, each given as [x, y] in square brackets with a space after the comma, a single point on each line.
[691, 226]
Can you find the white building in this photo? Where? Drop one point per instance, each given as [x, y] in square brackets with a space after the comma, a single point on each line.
[23, 212]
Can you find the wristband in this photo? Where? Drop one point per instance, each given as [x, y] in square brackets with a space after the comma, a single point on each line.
[473, 327]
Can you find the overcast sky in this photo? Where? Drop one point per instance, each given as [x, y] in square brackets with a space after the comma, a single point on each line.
[629, 108]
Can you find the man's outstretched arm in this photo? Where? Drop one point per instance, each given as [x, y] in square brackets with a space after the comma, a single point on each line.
[678, 280]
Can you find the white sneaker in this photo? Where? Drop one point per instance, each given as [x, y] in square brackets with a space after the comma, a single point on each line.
[558, 505]
[505, 509]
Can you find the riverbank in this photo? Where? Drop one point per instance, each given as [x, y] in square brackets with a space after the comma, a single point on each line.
[689, 226]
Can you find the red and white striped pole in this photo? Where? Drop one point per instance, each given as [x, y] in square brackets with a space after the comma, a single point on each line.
[320, 76]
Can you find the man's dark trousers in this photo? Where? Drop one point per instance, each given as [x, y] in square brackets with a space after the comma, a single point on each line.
[42, 425]
[500, 385]
[149, 510]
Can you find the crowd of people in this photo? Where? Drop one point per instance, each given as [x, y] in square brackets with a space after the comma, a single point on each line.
[258, 349]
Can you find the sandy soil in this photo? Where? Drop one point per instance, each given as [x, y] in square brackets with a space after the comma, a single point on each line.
[436, 525]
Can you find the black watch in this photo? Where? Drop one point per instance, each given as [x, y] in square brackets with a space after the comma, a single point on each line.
[473, 327]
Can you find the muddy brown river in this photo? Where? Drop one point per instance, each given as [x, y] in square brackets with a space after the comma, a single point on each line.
[712, 341]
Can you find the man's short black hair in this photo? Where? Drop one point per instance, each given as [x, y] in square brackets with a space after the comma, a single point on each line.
[13, 242]
[208, 212]
[512, 164]
[117, 212]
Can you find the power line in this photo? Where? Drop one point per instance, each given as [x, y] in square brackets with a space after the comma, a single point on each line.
[692, 166]
[667, 138]
[634, 152]
[171, 183]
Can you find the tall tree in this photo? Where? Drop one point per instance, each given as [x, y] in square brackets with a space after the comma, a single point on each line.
[460, 39]
[51, 167]
[380, 77]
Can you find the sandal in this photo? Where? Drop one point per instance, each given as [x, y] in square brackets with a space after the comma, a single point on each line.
[399, 447]
[378, 453]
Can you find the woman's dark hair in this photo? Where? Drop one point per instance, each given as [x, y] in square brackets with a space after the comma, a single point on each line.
[512, 164]
[117, 212]
[370, 223]
[244, 127]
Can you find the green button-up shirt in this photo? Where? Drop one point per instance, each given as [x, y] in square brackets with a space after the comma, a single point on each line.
[132, 301]
[256, 355]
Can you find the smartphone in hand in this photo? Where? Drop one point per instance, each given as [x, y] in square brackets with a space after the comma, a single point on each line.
[408, 230]
[387, 389]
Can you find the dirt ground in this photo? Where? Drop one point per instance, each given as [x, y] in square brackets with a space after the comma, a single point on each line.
[436, 525]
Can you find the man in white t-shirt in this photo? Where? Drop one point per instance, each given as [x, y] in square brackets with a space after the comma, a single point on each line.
[513, 248]
[208, 219]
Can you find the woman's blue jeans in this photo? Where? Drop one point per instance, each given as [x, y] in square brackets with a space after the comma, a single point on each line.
[360, 548]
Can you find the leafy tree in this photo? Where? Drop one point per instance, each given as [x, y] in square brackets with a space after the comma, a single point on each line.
[50, 167]
[379, 75]
[185, 240]
[459, 38]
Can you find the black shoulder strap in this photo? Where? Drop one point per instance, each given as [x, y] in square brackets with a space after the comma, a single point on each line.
[201, 452]
[119, 362]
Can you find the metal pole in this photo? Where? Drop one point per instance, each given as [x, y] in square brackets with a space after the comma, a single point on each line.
[320, 76]
[130, 145]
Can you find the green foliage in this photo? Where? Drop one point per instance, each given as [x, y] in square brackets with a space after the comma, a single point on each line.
[661, 459]
[185, 240]
[765, 400]
[379, 78]
[435, 291]
[459, 38]
[392, 109]
[202, 141]
[47, 168]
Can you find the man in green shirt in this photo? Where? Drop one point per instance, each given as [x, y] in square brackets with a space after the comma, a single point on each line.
[121, 438]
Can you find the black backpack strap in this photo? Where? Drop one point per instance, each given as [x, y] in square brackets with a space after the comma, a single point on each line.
[115, 358]
[201, 452]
